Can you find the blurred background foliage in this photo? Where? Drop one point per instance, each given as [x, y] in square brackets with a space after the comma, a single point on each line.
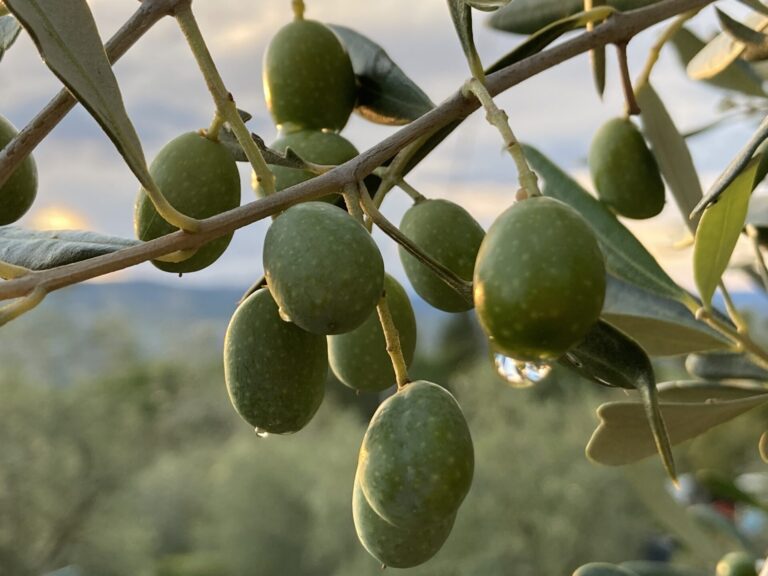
[123, 459]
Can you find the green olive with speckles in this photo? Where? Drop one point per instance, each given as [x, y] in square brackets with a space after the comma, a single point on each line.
[199, 178]
[539, 281]
[326, 148]
[602, 569]
[275, 371]
[448, 233]
[416, 461]
[360, 359]
[323, 268]
[736, 564]
[624, 170]
[308, 78]
[19, 191]
[392, 546]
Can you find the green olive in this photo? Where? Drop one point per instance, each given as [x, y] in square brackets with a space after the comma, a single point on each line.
[19, 191]
[416, 461]
[326, 148]
[199, 177]
[308, 78]
[323, 268]
[602, 569]
[392, 546]
[539, 281]
[736, 564]
[275, 371]
[450, 235]
[360, 359]
[624, 170]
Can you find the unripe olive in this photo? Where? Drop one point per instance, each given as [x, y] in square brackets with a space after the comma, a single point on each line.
[448, 233]
[19, 191]
[326, 148]
[416, 461]
[539, 281]
[392, 546]
[624, 170]
[602, 569]
[275, 371]
[323, 268]
[199, 178]
[736, 564]
[360, 359]
[308, 78]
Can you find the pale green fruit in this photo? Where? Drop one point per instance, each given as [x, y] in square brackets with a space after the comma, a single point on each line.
[323, 268]
[325, 148]
[602, 569]
[275, 372]
[19, 191]
[624, 170]
[392, 546]
[308, 78]
[416, 461]
[360, 359]
[199, 178]
[449, 234]
[539, 281]
[736, 564]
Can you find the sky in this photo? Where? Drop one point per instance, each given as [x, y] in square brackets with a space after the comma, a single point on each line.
[84, 183]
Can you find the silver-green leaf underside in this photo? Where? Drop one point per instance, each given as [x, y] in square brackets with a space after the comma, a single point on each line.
[9, 31]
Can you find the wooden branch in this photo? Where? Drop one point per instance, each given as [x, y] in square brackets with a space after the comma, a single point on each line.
[620, 27]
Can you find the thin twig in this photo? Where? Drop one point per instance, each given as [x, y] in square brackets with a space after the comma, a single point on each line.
[392, 338]
[733, 312]
[410, 190]
[632, 107]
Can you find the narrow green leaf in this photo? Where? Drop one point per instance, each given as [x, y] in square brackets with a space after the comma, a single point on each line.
[9, 31]
[739, 31]
[40, 250]
[597, 60]
[386, 95]
[461, 14]
[738, 76]
[671, 152]
[722, 50]
[719, 230]
[625, 256]
[661, 325]
[487, 5]
[68, 40]
[622, 437]
[609, 357]
[529, 16]
[698, 391]
[724, 366]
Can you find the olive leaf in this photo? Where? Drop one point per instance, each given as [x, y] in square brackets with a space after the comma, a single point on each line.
[386, 95]
[9, 31]
[487, 5]
[625, 256]
[722, 51]
[739, 31]
[724, 366]
[68, 40]
[706, 390]
[528, 16]
[671, 152]
[461, 14]
[623, 437]
[43, 249]
[738, 76]
[609, 357]
[661, 325]
[719, 230]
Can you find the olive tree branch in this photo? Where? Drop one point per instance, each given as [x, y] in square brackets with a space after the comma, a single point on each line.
[458, 106]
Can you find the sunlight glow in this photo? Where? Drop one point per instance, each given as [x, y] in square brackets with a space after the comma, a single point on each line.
[58, 218]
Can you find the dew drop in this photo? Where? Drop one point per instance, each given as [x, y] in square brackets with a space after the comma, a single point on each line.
[261, 433]
[284, 315]
[519, 373]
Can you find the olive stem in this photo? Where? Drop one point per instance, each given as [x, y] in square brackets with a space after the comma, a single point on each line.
[733, 312]
[500, 120]
[742, 340]
[631, 105]
[351, 194]
[392, 338]
[298, 9]
[461, 286]
[24, 304]
[411, 191]
[10, 271]
[225, 104]
[212, 133]
[666, 36]
[762, 269]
